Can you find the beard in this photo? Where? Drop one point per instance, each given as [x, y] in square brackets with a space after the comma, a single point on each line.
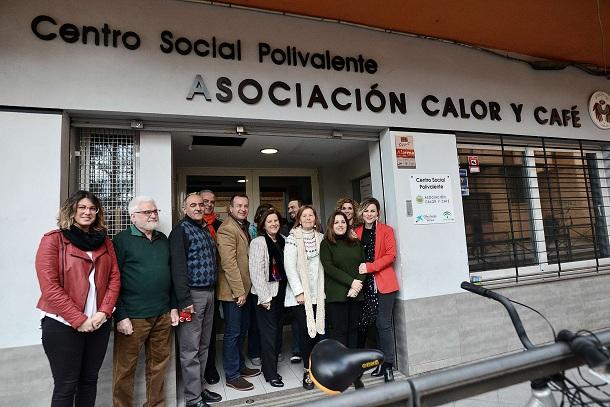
[148, 225]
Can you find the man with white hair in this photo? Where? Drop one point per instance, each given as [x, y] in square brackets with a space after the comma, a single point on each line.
[146, 309]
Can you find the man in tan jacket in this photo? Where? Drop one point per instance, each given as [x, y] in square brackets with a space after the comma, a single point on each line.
[232, 291]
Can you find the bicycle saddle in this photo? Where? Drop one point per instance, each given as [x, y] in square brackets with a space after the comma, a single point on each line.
[334, 367]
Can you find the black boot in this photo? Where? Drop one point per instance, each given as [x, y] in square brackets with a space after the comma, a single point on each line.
[388, 374]
[307, 383]
[378, 371]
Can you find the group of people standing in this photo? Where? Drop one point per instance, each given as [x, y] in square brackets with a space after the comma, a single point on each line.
[150, 283]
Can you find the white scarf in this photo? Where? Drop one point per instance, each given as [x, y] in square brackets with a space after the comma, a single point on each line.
[314, 325]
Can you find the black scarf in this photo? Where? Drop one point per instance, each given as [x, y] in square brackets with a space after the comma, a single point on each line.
[368, 241]
[86, 241]
[369, 290]
[276, 256]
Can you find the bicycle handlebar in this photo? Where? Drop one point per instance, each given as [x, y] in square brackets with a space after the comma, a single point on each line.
[585, 348]
[512, 313]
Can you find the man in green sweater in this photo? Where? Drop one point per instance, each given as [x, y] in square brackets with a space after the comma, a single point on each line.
[146, 308]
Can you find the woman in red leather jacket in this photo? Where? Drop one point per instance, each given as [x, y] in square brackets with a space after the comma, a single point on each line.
[381, 284]
[79, 280]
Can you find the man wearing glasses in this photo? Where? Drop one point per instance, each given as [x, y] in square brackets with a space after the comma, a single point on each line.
[146, 309]
[193, 269]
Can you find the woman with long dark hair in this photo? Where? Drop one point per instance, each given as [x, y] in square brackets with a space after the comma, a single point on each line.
[341, 255]
[266, 266]
[381, 284]
[79, 281]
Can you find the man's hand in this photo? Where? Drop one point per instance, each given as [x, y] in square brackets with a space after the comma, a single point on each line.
[124, 326]
[351, 293]
[356, 286]
[241, 300]
[300, 299]
[190, 308]
[266, 305]
[173, 314]
[86, 326]
[362, 268]
[98, 319]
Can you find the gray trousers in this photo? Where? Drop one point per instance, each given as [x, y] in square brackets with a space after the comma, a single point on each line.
[194, 342]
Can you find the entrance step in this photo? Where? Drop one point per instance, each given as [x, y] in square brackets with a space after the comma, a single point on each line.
[298, 395]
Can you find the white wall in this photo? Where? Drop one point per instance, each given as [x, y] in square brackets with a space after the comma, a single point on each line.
[155, 174]
[146, 81]
[432, 259]
[30, 181]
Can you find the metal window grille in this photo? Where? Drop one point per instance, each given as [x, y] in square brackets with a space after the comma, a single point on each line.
[537, 208]
[107, 168]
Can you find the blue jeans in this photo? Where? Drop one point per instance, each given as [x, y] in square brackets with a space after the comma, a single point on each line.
[237, 320]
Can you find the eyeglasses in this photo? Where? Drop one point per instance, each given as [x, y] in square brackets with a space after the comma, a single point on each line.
[149, 213]
[83, 208]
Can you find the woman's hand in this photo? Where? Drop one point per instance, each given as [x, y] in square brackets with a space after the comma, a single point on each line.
[86, 326]
[362, 268]
[351, 293]
[266, 305]
[300, 299]
[98, 319]
[356, 286]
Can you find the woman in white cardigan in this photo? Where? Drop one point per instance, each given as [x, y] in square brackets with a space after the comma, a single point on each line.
[266, 266]
[305, 289]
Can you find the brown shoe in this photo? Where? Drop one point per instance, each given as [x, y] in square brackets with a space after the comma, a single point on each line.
[240, 384]
[247, 372]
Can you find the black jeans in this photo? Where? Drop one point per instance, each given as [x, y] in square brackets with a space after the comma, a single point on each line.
[307, 342]
[75, 359]
[270, 328]
[343, 317]
[385, 329]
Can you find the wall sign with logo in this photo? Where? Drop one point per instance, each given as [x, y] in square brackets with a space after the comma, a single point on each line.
[599, 109]
[405, 151]
[370, 96]
[473, 163]
[432, 199]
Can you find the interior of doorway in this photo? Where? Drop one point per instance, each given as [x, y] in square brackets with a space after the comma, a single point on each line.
[316, 170]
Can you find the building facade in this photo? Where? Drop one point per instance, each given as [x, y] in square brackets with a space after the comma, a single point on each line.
[488, 170]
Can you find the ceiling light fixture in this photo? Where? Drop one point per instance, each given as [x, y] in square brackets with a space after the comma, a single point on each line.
[269, 150]
[241, 181]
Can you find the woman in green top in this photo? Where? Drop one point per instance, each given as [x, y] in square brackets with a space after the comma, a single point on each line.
[341, 254]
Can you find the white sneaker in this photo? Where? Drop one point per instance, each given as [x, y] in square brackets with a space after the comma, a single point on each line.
[256, 361]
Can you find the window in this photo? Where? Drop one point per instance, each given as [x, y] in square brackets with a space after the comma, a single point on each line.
[107, 168]
[536, 208]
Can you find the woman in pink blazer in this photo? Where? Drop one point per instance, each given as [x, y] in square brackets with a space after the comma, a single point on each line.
[381, 284]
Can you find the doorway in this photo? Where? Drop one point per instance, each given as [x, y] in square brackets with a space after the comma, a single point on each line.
[317, 170]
